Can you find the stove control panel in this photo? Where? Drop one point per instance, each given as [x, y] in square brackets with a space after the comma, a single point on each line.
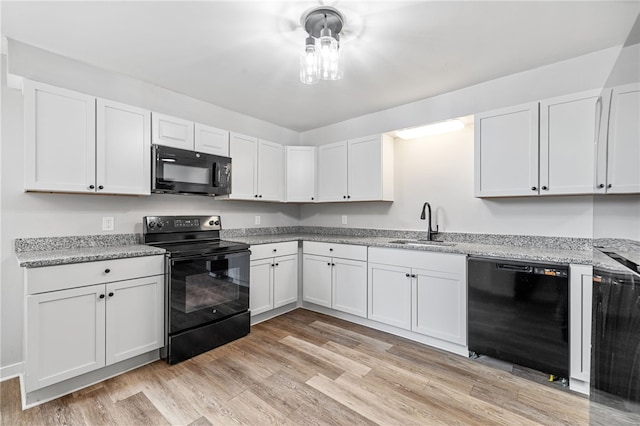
[165, 224]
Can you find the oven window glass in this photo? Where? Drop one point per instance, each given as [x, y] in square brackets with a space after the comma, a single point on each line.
[208, 288]
[186, 174]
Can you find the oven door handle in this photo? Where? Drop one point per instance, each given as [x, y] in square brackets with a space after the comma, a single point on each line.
[212, 256]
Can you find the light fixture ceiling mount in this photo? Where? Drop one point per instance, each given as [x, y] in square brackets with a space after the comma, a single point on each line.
[321, 59]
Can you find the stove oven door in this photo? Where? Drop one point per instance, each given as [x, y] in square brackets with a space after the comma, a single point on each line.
[207, 288]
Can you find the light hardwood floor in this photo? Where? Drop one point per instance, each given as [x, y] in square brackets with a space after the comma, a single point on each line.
[304, 368]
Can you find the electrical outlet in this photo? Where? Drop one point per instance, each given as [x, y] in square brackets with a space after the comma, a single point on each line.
[344, 219]
[108, 224]
[257, 220]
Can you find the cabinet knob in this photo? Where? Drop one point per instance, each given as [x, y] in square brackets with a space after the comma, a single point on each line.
[544, 188]
[260, 196]
[413, 275]
[110, 294]
[330, 249]
[348, 196]
[609, 186]
[255, 196]
[407, 275]
[100, 187]
[277, 264]
[92, 187]
[333, 264]
[275, 250]
[312, 198]
[101, 296]
[106, 271]
[601, 185]
[533, 188]
[344, 196]
[273, 264]
[328, 263]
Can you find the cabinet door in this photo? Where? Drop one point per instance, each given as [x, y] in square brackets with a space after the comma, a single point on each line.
[65, 335]
[135, 317]
[506, 152]
[364, 160]
[439, 305]
[60, 139]
[172, 131]
[389, 295]
[270, 171]
[261, 287]
[580, 291]
[623, 173]
[211, 140]
[349, 287]
[243, 151]
[332, 172]
[285, 280]
[123, 149]
[568, 126]
[316, 280]
[300, 173]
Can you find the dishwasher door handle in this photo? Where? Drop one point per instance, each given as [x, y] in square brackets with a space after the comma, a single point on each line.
[516, 268]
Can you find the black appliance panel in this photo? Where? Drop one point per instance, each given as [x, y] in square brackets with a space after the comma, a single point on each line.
[179, 171]
[518, 312]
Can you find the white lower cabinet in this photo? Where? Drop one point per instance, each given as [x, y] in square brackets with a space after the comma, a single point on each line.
[76, 330]
[274, 276]
[424, 292]
[580, 291]
[335, 276]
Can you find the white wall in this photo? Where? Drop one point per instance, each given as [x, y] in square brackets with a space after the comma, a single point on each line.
[439, 169]
[35, 214]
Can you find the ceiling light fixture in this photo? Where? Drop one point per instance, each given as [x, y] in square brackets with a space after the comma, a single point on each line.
[321, 59]
[431, 129]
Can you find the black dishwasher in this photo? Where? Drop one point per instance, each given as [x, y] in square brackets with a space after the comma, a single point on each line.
[519, 312]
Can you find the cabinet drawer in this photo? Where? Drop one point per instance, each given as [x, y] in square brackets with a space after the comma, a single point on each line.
[261, 251]
[345, 251]
[58, 277]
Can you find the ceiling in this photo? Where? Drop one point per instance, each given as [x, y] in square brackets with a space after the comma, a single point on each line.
[244, 55]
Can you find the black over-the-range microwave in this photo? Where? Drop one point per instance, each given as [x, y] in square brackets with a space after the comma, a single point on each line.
[179, 171]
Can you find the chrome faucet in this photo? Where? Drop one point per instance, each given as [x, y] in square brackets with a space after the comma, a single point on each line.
[430, 231]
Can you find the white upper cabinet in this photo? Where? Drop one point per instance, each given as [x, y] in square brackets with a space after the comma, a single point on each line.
[506, 151]
[356, 170]
[75, 143]
[300, 173]
[619, 148]
[123, 147]
[172, 131]
[257, 169]
[59, 128]
[332, 172]
[211, 140]
[567, 136]
[270, 184]
[544, 148]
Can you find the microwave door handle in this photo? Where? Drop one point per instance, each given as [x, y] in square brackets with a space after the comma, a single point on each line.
[215, 175]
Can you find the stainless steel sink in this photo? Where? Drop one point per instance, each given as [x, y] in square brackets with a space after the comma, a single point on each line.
[421, 243]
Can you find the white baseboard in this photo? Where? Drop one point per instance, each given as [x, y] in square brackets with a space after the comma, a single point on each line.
[10, 371]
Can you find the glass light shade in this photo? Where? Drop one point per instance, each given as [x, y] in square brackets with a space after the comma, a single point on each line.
[309, 63]
[329, 57]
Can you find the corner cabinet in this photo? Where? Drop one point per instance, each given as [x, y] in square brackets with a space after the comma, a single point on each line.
[274, 276]
[258, 169]
[335, 276]
[356, 170]
[82, 317]
[423, 292]
[541, 148]
[300, 174]
[78, 143]
[619, 143]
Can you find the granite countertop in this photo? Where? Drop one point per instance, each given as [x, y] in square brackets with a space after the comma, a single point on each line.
[542, 249]
[38, 252]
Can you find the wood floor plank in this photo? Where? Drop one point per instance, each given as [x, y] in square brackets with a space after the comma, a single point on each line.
[305, 368]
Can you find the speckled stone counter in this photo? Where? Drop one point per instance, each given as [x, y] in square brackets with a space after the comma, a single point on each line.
[532, 248]
[49, 251]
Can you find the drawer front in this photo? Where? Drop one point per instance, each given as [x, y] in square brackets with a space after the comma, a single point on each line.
[344, 251]
[261, 251]
[59, 277]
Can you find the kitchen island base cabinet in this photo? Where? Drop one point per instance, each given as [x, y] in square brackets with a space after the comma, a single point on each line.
[82, 329]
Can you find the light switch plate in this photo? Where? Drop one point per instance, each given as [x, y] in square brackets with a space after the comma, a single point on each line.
[344, 219]
[108, 224]
[257, 220]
